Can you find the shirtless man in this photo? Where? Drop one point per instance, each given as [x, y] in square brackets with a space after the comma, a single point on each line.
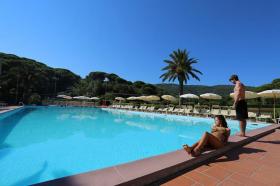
[240, 104]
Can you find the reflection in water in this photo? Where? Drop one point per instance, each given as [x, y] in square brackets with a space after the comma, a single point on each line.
[63, 117]
[165, 124]
[184, 136]
[155, 116]
[141, 125]
[82, 117]
[118, 120]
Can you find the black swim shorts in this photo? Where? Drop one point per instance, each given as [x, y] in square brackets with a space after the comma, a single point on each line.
[241, 110]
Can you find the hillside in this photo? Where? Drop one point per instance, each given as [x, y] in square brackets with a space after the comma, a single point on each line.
[26, 80]
[22, 77]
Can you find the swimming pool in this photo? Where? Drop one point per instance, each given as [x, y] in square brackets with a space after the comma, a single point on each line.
[43, 143]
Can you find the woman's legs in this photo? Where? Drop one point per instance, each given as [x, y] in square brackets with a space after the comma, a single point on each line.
[190, 149]
[207, 138]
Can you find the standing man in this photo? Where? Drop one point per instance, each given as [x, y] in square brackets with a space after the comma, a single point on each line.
[240, 104]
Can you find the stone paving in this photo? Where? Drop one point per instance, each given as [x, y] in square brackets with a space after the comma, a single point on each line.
[8, 108]
[257, 163]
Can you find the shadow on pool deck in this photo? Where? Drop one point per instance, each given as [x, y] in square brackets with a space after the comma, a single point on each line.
[234, 155]
[272, 142]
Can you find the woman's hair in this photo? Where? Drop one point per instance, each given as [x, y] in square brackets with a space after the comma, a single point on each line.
[222, 118]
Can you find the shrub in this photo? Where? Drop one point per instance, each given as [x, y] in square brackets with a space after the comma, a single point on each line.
[35, 99]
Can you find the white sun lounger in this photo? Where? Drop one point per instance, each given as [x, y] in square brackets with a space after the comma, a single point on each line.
[165, 110]
[205, 112]
[196, 111]
[252, 115]
[215, 112]
[224, 112]
[150, 109]
[181, 111]
[232, 113]
[170, 109]
[175, 111]
[188, 111]
[159, 109]
[265, 117]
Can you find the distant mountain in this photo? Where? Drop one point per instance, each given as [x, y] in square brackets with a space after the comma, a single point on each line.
[223, 90]
[275, 84]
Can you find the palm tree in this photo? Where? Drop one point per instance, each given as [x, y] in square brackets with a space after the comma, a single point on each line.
[180, 67]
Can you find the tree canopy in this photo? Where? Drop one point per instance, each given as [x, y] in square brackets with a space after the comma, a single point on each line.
[22, 78]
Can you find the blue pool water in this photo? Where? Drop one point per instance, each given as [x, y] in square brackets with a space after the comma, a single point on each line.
[42, 143]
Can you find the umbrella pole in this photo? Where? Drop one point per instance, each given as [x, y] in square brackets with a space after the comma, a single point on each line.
[274, 106]
[179, 99]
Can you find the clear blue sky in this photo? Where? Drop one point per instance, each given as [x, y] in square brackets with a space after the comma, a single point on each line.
[132, 37]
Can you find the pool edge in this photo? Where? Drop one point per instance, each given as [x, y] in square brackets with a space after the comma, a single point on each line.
[156, 168]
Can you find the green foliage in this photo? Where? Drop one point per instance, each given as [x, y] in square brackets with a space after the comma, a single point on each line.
[35, 99]
[94, 85]
[275, 84]
[180, 67]
[22, 80]
[21, 77]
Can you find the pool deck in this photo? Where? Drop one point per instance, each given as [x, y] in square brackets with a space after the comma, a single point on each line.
[8, 108]
[178, 166]
[257, 163]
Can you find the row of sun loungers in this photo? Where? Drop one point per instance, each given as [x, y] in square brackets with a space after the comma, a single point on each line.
[196, 111]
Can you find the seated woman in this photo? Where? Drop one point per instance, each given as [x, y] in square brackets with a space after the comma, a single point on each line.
[216, 139]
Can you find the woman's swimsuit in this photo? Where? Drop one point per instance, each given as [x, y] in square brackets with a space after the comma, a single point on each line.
[220, 133]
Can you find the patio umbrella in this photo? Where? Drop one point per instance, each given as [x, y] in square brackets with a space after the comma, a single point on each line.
[82, 97]
[67, 97]
[64, 96]
[142, 98]
[61, 96]
[94, 98]
[152, 98]
[120, 98]
[169, 98]
[132, 98]
[189, 96]
[248, 95]
[211, 96]
[274, 94]
[148, 98]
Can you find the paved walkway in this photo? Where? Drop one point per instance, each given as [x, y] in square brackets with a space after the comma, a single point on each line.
[257, 163]
[6, 109]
